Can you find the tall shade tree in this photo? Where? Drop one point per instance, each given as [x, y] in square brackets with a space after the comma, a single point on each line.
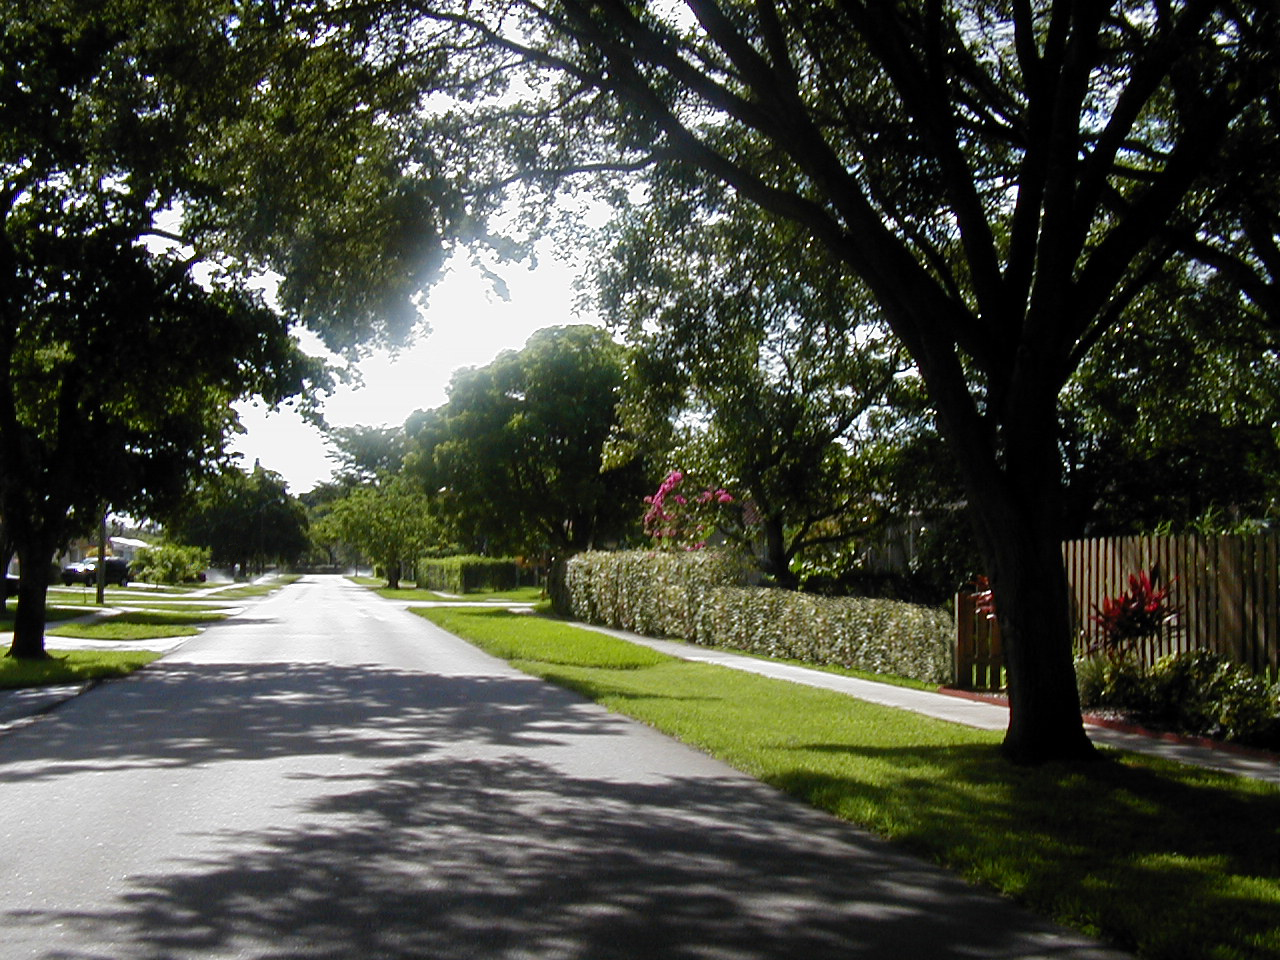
[389, 522]
[767, 357]
[515, 456]
[153, 158]
[362, 454]
[1006, 178]
[245, 519]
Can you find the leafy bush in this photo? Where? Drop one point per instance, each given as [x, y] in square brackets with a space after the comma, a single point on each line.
[1117, 683]
[467, 574]
[1202, 692]
[170, 563]
[1196, 692]
[700, 597]
[879, 636]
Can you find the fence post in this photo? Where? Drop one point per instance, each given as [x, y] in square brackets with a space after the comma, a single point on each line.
[964, 641]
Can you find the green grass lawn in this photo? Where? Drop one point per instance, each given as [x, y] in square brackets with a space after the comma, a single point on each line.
[51, 614]
[518, 595]
[249, 590]
[190, 606]
[71, 666]
[138, 625]
[1173, 862]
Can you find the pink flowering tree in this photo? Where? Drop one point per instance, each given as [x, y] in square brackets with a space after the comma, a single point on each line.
[678, 519]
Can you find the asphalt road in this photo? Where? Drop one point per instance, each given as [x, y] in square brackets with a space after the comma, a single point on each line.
[327, 776]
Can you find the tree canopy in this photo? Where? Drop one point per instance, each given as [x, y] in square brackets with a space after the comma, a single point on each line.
[153, 162]
[245, 519]
[1006, 179]
[514, 458]
[756, 361]
[390, 522]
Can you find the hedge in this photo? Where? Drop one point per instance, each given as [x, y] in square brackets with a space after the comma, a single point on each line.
[467, 574]
[701, 597]
[879, 636]
[655, 593]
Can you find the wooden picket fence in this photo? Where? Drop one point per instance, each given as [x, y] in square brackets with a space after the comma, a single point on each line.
[1226, 590]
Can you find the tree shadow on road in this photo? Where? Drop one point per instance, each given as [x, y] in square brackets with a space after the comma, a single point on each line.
[180, 714]
[454, 858]
[464, 821]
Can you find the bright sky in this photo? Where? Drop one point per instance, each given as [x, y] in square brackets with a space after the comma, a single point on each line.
[470, 325]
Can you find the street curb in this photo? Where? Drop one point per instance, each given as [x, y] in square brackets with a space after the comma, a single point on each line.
[28, 703]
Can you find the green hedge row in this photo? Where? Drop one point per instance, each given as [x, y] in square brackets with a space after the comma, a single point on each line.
[655, 593]
[700, 597]
[862, 633]
[467, 574]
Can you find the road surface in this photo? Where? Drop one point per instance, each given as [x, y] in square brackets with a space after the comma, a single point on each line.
[327, 776]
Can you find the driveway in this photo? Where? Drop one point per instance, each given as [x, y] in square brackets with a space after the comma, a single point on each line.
[328, 776]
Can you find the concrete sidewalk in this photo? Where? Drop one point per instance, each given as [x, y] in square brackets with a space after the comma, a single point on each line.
[971, 712]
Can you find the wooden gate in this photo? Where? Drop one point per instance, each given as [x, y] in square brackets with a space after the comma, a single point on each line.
[979, 660]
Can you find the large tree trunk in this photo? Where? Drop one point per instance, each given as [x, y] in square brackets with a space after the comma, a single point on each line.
[393, 575]
[776, 563]
[1018, 517]
[6, 554]
[33, 590]
[1032, 603]
[1012, 472]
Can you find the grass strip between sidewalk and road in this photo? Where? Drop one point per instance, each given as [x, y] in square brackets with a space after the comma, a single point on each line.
[1170, 861]
[71, 666]
[138, 625]
[514, 595]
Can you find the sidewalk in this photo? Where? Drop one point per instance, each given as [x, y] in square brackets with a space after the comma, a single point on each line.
[959, 709]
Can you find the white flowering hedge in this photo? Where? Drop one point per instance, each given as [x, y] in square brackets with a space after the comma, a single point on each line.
[699, 597]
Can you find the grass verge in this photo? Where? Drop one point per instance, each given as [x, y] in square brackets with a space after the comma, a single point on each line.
[518, 595]
[71, 666]
[1173, 862]
[178, 606]
[138, 625]
[255, 589]
[51, 614]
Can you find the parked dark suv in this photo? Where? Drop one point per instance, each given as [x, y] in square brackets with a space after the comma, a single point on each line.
[86, 572]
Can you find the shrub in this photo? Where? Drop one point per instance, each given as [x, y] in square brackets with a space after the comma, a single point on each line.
[655, 593]
[700, 597]
[467, 574]
[1141, 611]
[1197, 692]
[862, 633]
[170, 563]
[1117, 683]
[1202, 692]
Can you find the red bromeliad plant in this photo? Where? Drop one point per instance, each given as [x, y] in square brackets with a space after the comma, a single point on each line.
[679, 521]
[1141, 611]
[984, 598]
